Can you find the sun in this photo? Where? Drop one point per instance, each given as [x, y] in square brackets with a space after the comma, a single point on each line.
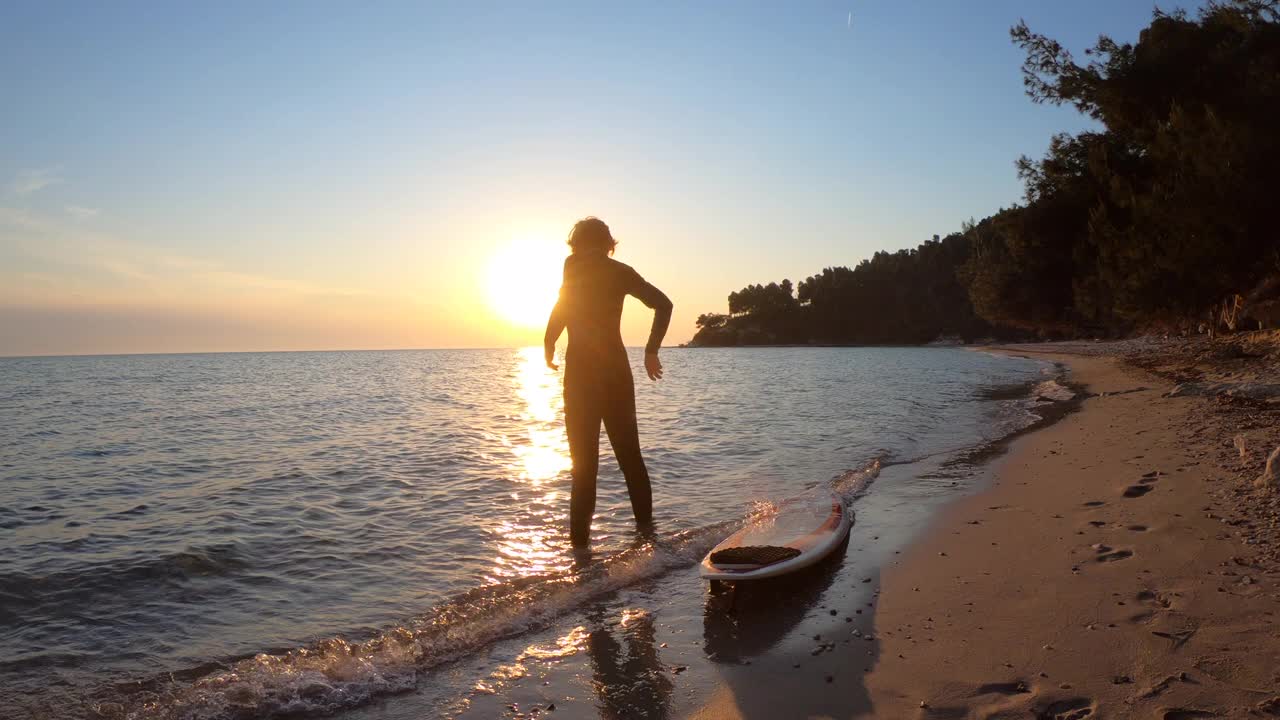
[524, 279]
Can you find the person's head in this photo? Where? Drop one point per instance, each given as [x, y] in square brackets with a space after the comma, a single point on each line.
[590, 236]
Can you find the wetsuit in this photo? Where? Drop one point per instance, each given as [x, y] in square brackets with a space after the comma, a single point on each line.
[597, 378]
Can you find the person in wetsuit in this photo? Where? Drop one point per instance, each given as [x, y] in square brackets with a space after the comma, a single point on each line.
[597, 379]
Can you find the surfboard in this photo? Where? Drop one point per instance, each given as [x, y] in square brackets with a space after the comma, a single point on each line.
[802, 532]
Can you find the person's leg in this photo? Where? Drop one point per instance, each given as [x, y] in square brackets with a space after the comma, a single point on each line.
[582, 424]
[624, 436]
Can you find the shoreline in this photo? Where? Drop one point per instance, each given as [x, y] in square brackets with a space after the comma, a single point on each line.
[800, 646]
[666, 647]
[1094, 574]
[1089, 565]
[1087, 580]
[574, 645]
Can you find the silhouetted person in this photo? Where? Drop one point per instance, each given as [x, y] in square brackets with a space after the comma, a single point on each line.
[597, 377]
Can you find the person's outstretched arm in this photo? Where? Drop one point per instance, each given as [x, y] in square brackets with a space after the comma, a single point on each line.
[555, 326]
[661, 304]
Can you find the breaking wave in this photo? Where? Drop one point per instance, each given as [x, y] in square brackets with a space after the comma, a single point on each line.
[344, 672]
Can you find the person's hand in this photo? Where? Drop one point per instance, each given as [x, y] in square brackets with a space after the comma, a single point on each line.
[653, 366]
[551, 356]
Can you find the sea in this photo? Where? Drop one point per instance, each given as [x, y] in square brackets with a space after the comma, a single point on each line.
[259, 535]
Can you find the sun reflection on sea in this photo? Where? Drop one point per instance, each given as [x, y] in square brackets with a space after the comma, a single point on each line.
[530, 541]
[547, 453]
[565, 646]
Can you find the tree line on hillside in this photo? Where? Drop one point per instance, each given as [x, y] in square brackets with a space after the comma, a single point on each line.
[1165, 218]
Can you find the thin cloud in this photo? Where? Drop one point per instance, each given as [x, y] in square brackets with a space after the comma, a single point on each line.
[80, 212]
[125, 268]
[60, 239]
[30, 181]
[21, 219]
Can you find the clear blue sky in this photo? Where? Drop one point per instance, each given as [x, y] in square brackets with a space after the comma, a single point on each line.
[220, 176]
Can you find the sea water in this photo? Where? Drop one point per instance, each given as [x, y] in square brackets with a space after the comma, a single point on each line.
[258, 534]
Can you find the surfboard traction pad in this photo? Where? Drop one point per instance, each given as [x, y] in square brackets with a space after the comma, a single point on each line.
[758, 555]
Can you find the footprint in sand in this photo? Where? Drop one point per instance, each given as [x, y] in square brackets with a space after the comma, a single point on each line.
[1137, 528]
[1094, 503]
[1181, 714]
[1134, 491]
[1155, 602]
[1177, 638]
[1114, 555]
[1069, 709]
[1009, 688]
[1154, 599]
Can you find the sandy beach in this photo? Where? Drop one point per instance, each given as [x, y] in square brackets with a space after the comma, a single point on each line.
[1119, 564]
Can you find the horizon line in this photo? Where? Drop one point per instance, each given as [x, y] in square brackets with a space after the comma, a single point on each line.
[4, 356]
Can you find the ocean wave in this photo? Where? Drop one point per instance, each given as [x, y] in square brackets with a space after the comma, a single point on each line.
[357, 495]
[854, 483]
[1053, 391]
[1008, 391]
[90, 583]
[344, 672]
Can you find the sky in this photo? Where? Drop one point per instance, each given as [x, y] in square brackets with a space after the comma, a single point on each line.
[193, 177]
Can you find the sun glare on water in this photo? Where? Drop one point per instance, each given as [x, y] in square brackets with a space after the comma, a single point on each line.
[524, 279]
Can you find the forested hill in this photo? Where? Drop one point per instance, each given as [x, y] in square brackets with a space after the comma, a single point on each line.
[1166, 218]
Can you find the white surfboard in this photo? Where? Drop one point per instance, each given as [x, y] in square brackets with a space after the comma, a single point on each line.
[801, 533]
